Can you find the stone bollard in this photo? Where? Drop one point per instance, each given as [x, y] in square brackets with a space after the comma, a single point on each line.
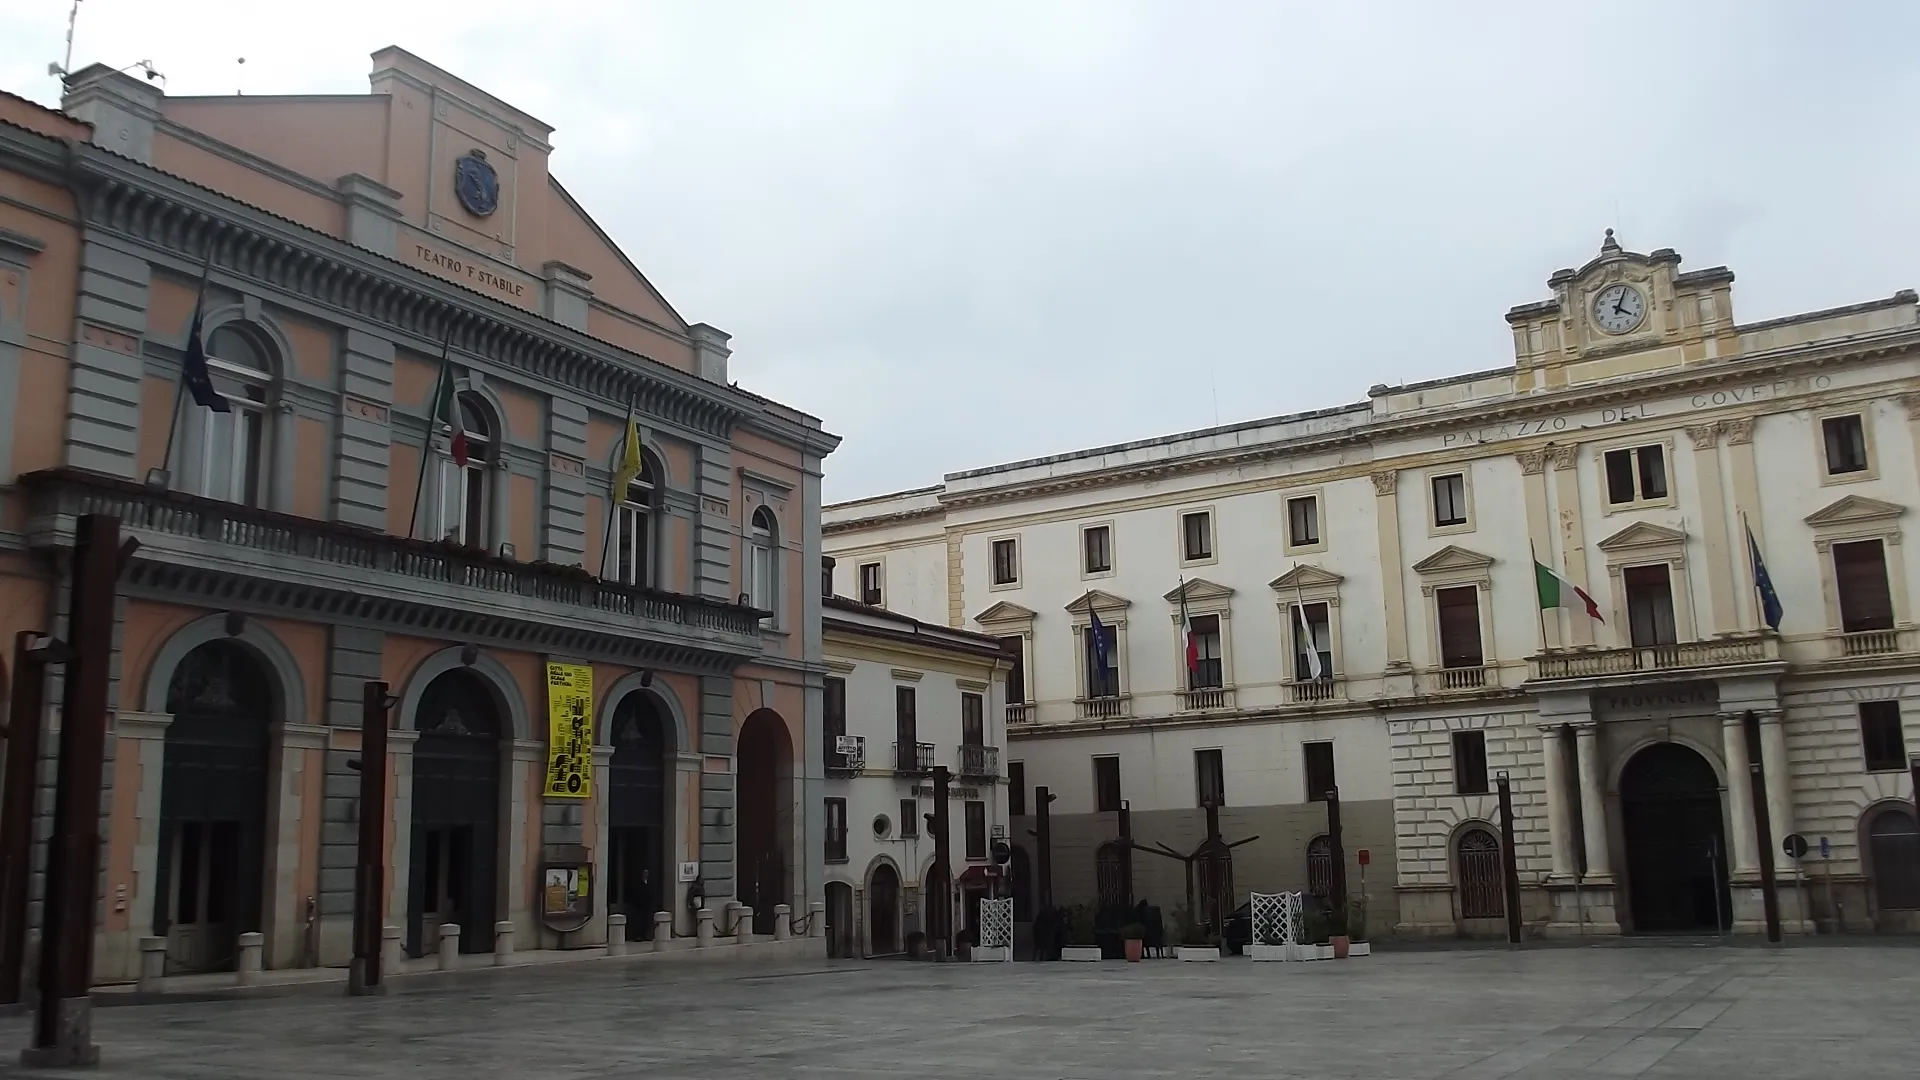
[153, 965]
[391, 951]
[816, 921]
[247, 970]
[743, 925]
[782, 922]
[616, 935]
[703, 928]
[502, 943]
[449, 945]
[662, 931]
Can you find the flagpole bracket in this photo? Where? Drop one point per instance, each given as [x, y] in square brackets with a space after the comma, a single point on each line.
[159, 479]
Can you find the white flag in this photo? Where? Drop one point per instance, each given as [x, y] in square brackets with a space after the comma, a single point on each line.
[1314, 667]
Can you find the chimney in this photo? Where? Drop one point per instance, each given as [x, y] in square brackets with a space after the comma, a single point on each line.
[121, 108]
[710, 352]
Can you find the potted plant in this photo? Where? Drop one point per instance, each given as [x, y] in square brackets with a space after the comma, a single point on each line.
[1337, 928]
[1080, 936]
[1357, 929]
[1134, 935]
[1198, 943]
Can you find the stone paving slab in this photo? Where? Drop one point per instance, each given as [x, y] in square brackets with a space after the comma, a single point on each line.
[1491, 1014]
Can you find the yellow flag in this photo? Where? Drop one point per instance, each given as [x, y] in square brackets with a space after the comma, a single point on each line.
[629, 468]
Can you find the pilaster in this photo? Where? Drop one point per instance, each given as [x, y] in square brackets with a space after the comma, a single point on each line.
[365, 451]
[563, 538]
[373, 213]
[1746, 508]
[1533, 484]
[105, 379]
[1722, 616]
[1593, 806]
[1733, 746]
[1386, 512]
[1568, 517]
[714, 532]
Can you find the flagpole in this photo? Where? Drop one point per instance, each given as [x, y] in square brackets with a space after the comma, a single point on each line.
[1301, 625]
[1538, 608]
[180, 386]
[433, 414]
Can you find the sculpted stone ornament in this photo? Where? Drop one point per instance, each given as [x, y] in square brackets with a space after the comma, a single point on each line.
[477, 185]
[1739, 430]
[1563, 457]
[1383, 482]
[1532, 462]
[1704, 436]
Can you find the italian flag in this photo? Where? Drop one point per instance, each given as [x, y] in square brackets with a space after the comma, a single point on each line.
[1557, 592]
[446, 409]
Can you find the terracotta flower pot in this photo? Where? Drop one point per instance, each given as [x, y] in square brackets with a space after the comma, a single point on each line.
[1341, 946]
[1133, 950]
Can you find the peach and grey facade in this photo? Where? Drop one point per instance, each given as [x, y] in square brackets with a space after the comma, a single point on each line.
[320, 533]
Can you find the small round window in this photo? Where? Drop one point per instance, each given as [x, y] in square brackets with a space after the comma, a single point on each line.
[881, 826]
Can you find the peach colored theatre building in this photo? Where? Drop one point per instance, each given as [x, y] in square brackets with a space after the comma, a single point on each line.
[301, 543]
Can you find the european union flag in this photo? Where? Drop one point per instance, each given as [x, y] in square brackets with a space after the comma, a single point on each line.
[1101, 648]
[193, 366]
[1770, 610]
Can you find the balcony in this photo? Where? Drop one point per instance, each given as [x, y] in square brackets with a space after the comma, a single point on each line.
[1315, 692]
[846, 755]
[234, 554]
[979, 761]
[1454, 679]
[1019, 713]
[1752, 648]
[1101, 708]
[1206, 699]
[912, 759]
[1873, 643]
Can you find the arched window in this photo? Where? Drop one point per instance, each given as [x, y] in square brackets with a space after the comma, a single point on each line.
[639, 516]
[1482, 896]
[464, 498]
[233, 444]
[761, 545]
[1320, 866]
[1894, 848]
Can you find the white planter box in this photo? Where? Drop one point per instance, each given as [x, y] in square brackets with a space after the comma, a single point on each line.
[1270, 952]
[1199, 954]
[1081, 953]
[1360, 948]
[1002, 954]
[1316, 952]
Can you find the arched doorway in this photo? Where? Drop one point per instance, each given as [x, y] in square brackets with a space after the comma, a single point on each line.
[1320, 867]
[1479, 877]
[636, 813]
[454, 848]
[765, 832]
[839, 920]
[1893, 859]
[1676, 849]
[883, 911]
[213, 806]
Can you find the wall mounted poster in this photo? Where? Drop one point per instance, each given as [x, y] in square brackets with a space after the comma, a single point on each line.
[570, 734]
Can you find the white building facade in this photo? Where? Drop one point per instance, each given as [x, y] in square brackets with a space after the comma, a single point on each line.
[903, 697]
[1362, 590]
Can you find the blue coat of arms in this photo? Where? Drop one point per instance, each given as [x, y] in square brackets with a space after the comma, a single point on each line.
[477, 185]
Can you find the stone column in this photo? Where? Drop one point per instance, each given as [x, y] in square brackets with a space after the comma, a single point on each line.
[1593, 805]
[1559, 814]
[1745, 862]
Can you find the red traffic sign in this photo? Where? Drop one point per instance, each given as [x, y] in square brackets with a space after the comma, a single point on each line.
[1364, 856]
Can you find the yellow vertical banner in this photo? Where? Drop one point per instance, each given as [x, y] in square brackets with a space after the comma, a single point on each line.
[570, 731]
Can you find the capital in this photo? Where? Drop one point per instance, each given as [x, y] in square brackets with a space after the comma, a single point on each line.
[1704, 436]
[1739, 430]
[1383, 482]
[1532, 462]
[1563, 457]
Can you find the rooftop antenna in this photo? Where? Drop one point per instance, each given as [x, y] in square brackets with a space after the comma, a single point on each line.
[61, 69]
[239, 87]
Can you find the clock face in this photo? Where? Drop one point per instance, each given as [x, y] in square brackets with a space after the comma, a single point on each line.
[1619, 308]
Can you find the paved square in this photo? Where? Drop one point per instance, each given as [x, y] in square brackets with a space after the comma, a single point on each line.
[1647, 1011]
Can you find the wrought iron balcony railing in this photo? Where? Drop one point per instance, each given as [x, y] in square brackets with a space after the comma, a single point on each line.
[980, 761]
[846, 754]
[913, 759]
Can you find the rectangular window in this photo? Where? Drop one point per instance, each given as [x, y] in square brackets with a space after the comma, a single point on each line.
[1106, 784]
[1470, 762]
[463, 504]
[230, 453]
[836, 830]
[1318, 758]
[1638, 474]
[1016, 788]
[973, 720]
[760, 575]
[1016, 647]
[1096, 542]
[1881, 739]
[833, 718]
[1303, 521]
[635, 538]
[909, 818]
[1860, 576]
[1312, 641]
[1210, 782]
[870, 583]
[1006, 562]
[1102, 682]
[1459, 611]
[1846, 441]
[1208, 673]
[1196, 535]
[976, 819]
[1649, 606]
[906, 730]
[1449, 500]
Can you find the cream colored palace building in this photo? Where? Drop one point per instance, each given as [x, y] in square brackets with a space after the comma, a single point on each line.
[1638, 431]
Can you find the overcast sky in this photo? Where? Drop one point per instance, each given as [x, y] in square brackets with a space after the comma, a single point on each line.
[969, 233]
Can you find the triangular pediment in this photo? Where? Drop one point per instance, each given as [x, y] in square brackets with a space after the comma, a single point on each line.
[1006, 611]
[1452, 557]
[1305, 576]
[1197, 590]
[1642, 534]
[1855, 509]
[1098, 600]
